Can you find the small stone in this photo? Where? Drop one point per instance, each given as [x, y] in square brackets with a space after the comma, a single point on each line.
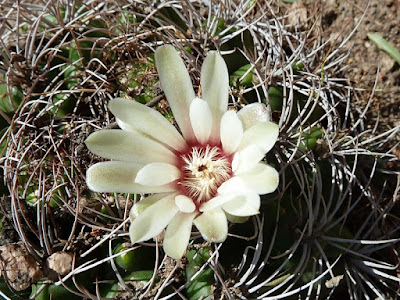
[334, 282]
[18, 266]
[60, 262]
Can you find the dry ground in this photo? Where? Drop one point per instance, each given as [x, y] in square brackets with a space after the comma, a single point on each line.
[338, 19]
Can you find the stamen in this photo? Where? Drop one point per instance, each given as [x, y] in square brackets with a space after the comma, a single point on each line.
[204, 170]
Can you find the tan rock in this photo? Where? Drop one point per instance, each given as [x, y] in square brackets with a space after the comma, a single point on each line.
[60, 262]
[18, 267]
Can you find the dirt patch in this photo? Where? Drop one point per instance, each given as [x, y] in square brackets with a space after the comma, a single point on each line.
[338, 20]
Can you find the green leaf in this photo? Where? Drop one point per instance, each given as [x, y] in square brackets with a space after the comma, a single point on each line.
[309, 138]
[220, 26]
[53, 292]
[109, 290]
[44, 294]
[63, 104]
[275, 95]
[78, 53]
[297, 67]
[234, 79]
[50, 21]
[125, 261]
[6, 105]
[384, 45]
[144, 275]
[251, 3]
[200, 287]
[71, 70]
[31, 199]
[47, 21]
[74, 55]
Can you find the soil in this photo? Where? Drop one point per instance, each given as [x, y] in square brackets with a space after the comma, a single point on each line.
[366, 64]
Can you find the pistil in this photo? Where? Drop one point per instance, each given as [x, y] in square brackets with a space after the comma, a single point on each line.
[204, 169]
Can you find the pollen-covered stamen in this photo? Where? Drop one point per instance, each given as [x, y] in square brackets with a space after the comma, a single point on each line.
[204, 170]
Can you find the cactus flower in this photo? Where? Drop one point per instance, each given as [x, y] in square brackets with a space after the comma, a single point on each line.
[207, 173]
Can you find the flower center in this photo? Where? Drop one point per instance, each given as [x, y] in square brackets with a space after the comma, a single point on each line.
[204, 169]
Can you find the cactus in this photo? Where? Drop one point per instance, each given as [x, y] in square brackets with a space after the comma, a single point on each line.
[330, 229]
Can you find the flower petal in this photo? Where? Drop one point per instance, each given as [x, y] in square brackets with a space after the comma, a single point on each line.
[143, 204]
[247, 204]
[247, 159]
[212, 225]
[177, 86]
[117, 176]
[125, 126]
[235, 198]
[264, 135]
[157, 173]
[215, 89]
[236, 219]
[253, 114]
[262, 179]
[152, 221]
[177, 235]
[215, 202]
[201, 120]
[128, 146]
[231, 132]
[185, 204]
[233, 185]
[148, 121]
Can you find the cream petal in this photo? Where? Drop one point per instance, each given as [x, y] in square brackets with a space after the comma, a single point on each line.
[185, 204]
[236, 198]
[231, 132]
[143, 204]
[233, 185]
[246, 159]
[177, 235]
[177, 86]
[151, 222]
[264, 135]
[117, 176]
[201, 120]
[262, 179]
[124, 126]
[236, 219]
[253, 114]
[247, 204]
[212, 225]
[128, 146]
[215, 89]
[157, 173]
[147, 120]
[235, 161]
[215, 202]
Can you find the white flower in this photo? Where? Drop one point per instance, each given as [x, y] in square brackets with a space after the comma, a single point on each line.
[209, 174]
